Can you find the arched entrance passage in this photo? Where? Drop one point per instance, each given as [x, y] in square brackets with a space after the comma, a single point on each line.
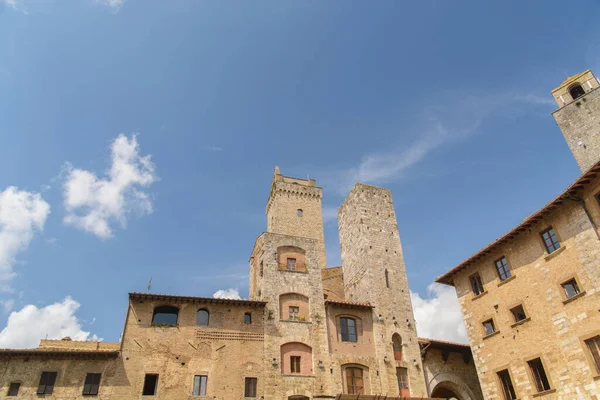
[445, 393]
[298, 398]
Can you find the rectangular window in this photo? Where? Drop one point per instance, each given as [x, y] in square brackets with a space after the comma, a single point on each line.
[507, 386]
[476, 284]
[354, 381]
[348, 329]
[150, 383]
[518, 313]
[402, 375]
[13, 389]
[571, 288]
[293, 313]
[539, 375]
[247, 318]
[200, 382]
[47, 381]
[250, 387]
[593, 346]
[550, 240]
[92, 384]
[295, 364]
[503, 268]
[489, 327]
[291, 264]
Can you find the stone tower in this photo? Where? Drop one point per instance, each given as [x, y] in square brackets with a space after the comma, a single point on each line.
[578, 117]
[374, 273]
[294, 209]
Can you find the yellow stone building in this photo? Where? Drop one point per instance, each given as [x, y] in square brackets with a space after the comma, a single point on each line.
[531, 299]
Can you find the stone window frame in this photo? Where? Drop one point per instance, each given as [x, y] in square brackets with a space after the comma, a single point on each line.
[512, 380]
[556, 235]
[201, 375]
[508, 265]
[207, 319]
[157, 375]
[495, 325]
[359, 328]
[472, 288]
[512, 315]
[532, 379]
[401, 345]
[248, 320]
[165, 306]
[574, 86]
[365, 377]
[563, 293]
[249, 379]
[306, 362]
[588, 355]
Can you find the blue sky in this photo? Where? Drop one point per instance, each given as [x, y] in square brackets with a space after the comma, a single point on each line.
[447, 105]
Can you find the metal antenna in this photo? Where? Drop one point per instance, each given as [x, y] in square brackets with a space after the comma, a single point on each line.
[149, 284]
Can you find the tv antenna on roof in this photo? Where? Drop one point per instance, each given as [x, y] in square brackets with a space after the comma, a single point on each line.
[149, 284]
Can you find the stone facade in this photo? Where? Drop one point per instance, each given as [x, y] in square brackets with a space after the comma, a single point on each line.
[541, 314]
[307, 332]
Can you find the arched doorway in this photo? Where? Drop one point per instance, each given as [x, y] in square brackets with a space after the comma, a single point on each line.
[445, 393]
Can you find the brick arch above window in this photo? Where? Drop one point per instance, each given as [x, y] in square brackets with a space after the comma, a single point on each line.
[294, 307]
[291, 258]
[355, 378]
[296, 359]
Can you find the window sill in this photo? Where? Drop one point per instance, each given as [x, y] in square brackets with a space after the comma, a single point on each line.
[507, 280]
[596, 377]
[297, 376]
[545, 392]
[521, 322]
[479, 295]
[294, 322]
[164, 326]
[295, 271]
[572, 298]
[491, 334]
[555, 253]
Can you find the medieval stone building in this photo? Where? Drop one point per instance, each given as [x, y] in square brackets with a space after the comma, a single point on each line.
[307, 331]
[531, 299]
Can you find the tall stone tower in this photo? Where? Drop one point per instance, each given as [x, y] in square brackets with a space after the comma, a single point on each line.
[374, 273]
[578, 117]
[294, 209]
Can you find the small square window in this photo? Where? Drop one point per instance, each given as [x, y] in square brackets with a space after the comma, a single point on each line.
[291, 264]
[518, 313]
[476, 284]
[536, 367]
[13, 389]
[293, 313]
[489, 327]
[250, 387]
[503, 268]
[295, 364]
[571, 288]
[300, 212]
[200, 382]
[150, 383]
[247, 318]
[550, 240]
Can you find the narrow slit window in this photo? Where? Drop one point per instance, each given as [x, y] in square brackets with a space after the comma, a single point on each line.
[200, 383]
[593, 346]
[295, 364]
[518, 313]
[507, 386]
[550, 240]
[503, 268]
[150, 384]
[13, 389]
[489, 327]
[47, 381]
[300, 212]
[250, 387]
[387, 279]
[476, 284]
[598, 198]
[571, 288]
[536, 367]
[91, 384]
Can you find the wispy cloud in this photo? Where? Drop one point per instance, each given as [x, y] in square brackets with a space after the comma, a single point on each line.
[115, 5]
[212, 148]
[16, 5]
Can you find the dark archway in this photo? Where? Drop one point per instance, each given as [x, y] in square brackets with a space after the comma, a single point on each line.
[298, 398]
[576, 91]
[445, 393]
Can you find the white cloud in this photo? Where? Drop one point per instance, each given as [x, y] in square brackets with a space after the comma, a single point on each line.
[26, 327]
[438, 316]
[212, 148]
[114, 4]
[93, 203]
[233, 294]
[21, 215]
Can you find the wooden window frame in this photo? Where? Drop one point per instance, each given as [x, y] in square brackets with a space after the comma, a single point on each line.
[550, 248]
[352, 386]
[402, 383]
[250, 387]
[156, 377]
[539, 383]
[200, 379]
[47, 381]
[345, 331]
[476, 284]
[91, 385]
[592, 345]
[293, 313]
[494, 330]
[11, 389]
[507, 387]
[295, 365]
[505, 266]
[573, 282]
[525, 316]
[290, 264]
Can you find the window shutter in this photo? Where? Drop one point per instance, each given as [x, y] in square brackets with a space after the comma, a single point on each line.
[50, 384]
[42, 385]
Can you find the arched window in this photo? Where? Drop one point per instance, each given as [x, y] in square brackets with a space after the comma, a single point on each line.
[387, 279]
[576, 91]
[202, 317]
[296, 358]
[165, 315]
[348, 329]
[397, 345]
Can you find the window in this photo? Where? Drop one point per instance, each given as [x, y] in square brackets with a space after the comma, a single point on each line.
[571, 288]
[165, 315]
[539, 375]
[576, 91]
[550, 240]
[348, 329]
[402, 375]
[295, 364]
[598, 198]
[397, 346]
[262, 269]
[293, 313]
[202, 317]
[250, 387]
[507, 386]
[247, 318]
[150, 383]
[593, 346]
[291, 264]
[476, 284]
[200, 382]
[92, 384]
[489, 327]
[300, 212]
[503, 268]
[354, 380]
[518, 313]
[46, 385]
[13, 389]
[387, 279]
